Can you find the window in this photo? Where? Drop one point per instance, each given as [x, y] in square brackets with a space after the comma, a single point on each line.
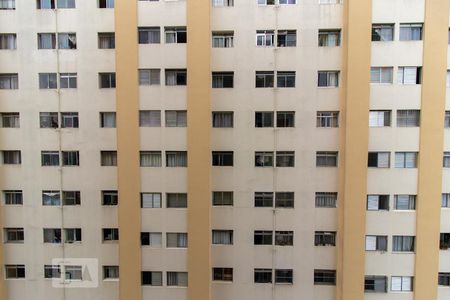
[9, 81]
[329, 37]
[286, 38]
[382, 32]
[108, 119]
[176, 200]
[222, 39]
[149, 35]
[13, 197]
[110, 198]
[287, 1]
[71, 198]
[444, 279]
[176, 118]
[377, 202]
[284, 276]
[110, 272]
[409, 75]
[52, 271]
[222, 237]
[285, 119]
[106, 40]
[67, 41]
[177, 240]
[14, 271]
[285, 79]
[326, 159]
[69, 120]
[375, 284]
[404, 202]
[263, 159]
[265, 38]
[408, 118]
[222, 199]
[263, 276]
[448, 78]
[66, 3]
[379, 118]
[108, 158]
[284, 199]
[10, 120]
[444, 241]
[176, 159]
[220, 3]
[264, 79]
[8, 41]
[325, 277]
[151, 200]
[223, 274]
[149, 118]
[151, 278]
[263, 199]
[222, 119]
[176, 77]
[14, 235]
[105, 3]
[262, 237]
[285, 158]
[12, 157]
[410, 32]
[72, 235]
[326, 199]
[150, 159]
[7, 4]
[445, 201]
[381, 74]
[376, 243]
[49, 158]
[177, 279]
[266, 2]
[403, 243]
[46, 41]
[152, 239]
[68, 80]
[222, 80]
[50, 198]
[107, 80]
[284, 238]
[110, 234]
[149, 77]
[48, 120]
[446, 160]
[47, 81]
[73, 273]
[52, 235]
[175, 35]
[328, 78]
[222, 158]
[406, 159]
[327, 119]
[325, 238]
[263, 119]
[70, 158]
[379, 159]
[329, 1]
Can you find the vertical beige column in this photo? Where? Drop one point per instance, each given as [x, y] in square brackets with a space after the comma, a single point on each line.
[127, 102]
[431, 148]
[353, 151]
[199, 148]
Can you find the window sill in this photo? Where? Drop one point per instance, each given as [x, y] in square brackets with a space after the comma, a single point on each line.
[111, 280]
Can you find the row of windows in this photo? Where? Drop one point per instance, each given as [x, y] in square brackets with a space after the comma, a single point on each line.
[52, 4]
[66, 273]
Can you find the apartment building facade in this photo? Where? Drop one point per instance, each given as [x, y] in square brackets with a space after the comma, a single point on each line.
[258, 149]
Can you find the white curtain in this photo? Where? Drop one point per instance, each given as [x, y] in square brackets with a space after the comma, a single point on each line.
[171, 37]
[151, 159]
[109, 119]
[7, 4]
[155, 239]
[7, 41]
[150, 118]
[9, 82]
[222, 237]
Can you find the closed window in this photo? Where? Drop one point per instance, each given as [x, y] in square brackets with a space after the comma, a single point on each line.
[262, 237]
[151, 200]
[71, 198]
[285, 79]
[446, 160]
[7, 4]
[325, 238]
[403, 243]
[266, 2]
[284, 238]
[12, 157]
[68, 80]
[444, 279]
[175, 35]
[325, 277]
[222, 237]
[223, 274]
[328, 78]
[107, 80]
[65, 3]
[409, 75]
[46, 40]
[69, 120]
[265, 38]
[72, 235]
[329, 37]
[176, 200]
[284, 276]
[47, 81]
[327, 119]
[404, 202]
[375, 284]
[222, 158]
[263, 119]
[444, 241]
[264, 79]
[326, 199]
[222, 39]
[50, 158]
[52, 271]
[326, 159]
[222, 199]
[263, 199]
[222, 119]
[176, 159]
[221, 3]
[110, 272]
[150, 159]
[381, 74]
[70, 158]
[50, 198]
[13, 197]
[176, 77]
[263, 159]
[152, 239]
[411, 32]
[406, 159]
[286, 38]
[150, 118]
[177, 240]
[48, 120]
[110, 234]
[222, 79]
[73, 273]
[149, 35]
[14, 271]
[151, 278]
[108, 158]
[408, 118]
[263, 275]
[285, 158]
[67, 41]
[105, 3]
[382, 32]
[108, 119]
[52, 235]
[149, 77]
[379, 118]
[401, 283]
[285, 119]
[14, 235]
[10, 120]
[8, 41]
[110, 198]
[9, 81]
[377, 202]
[379, 159]
[284, 199]
[177, 279]
[176, 118]
[445, 201]
[106, 40]
[376, 243]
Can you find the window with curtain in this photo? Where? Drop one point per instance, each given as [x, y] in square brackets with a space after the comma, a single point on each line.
[10, 120]
[151, 278]
[13, 197]
[8, 41]
[52, 235]
[381, 74]
[150, 159]
[401, 283]
[176, 159]
[404, 202]
[382, 32]
[411, 31]
[406, 159]
[49, 158]
[284, 199]
[329, 37]
[153, 239]
[108, 120]
[150, 118]
[110, 272]
[69, 120]
[222, 79]
[46, 41]
[72, 235]
[326, 159]
[379, 159]
[177, 240]
[376, 243]
[48, 120]
[105, 3]
[149, 35]
[325, 238]
[377, 202]
[177, 279]
[287, 38]
[265, 38]
[176, 77]
[175, 35]
[379, 118]
[222, 199]
[70, 158]
[47, 81]
[223, 39]
[107, 80]
[326, 199]
[106, 40]
[328, 78]
[176, 200]
[445, 200]
[12, 157]
[151, 200]
[409, 75]
[176, 118]
[285, 158]
[51, 198]
[222, 237]
[66, 3]
[7, 4]
[263, 159]
[284, 238]
[219, 3]
[67, 41]
[408, 118]
[327, 119]
[108, 158]
[222, 119]
[149, 76]
[46, 4]
[403, 243]
[9, 81]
